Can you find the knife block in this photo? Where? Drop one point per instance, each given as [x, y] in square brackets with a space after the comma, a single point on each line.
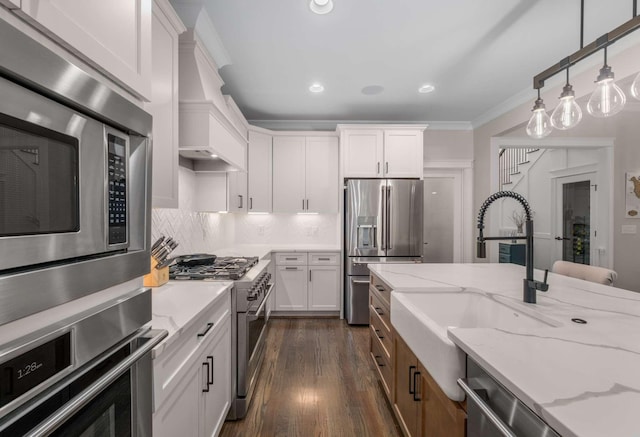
[156, 277]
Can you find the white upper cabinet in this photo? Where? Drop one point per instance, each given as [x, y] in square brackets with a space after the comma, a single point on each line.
[363, 153]
[165, 27]
[393, 151]
[237, 191]
[114, 35]
[305, 174]
[260, 172]
[403, 150]
[321, 170]
[288, 174]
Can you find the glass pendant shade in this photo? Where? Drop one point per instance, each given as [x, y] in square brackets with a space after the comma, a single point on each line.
[635, 87]
[607, 99]
[539, 125]
[567, 114]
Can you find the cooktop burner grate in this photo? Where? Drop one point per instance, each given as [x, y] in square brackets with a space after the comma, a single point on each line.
[225, 268]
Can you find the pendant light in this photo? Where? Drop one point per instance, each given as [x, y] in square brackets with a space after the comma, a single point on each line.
[635, 87]
[539, 125]
[567, 114]
[607, 99]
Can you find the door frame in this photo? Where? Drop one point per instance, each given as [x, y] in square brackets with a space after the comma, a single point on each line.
[462, 172]
[605, 178]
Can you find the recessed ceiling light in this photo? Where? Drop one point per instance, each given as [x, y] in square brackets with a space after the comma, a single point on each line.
[316, 88]
[321, 7]
[424, 89]
[372, 90]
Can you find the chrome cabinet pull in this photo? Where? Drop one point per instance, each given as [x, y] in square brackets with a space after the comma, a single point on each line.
[378, 171]
[291, 268]
[307, 204]
[303, 204]
[291, 259]
[324, 259]
[250, 202]
[207, 329]
[309, 275]
[240, 196]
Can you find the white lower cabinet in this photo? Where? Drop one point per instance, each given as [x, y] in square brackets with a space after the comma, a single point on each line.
[192, 378]
[307, 282]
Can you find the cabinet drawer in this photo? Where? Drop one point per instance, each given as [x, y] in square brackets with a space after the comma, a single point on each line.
[328, 259]
[382, 364]
[382, 289]
[381, 333]
[504, 248]
[381, 310]
[291, 259]
[504, 258]
[180, 355]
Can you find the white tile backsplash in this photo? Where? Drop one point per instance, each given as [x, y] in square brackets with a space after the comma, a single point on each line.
[199, 232]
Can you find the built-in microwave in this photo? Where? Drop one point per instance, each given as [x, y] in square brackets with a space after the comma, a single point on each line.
[75, 172]
[63, 182]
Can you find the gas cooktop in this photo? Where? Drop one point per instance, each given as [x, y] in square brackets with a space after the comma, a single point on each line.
[226, 268]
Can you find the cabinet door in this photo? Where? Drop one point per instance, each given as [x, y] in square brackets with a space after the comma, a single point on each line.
[113, 35]
[260, 172]
[289, 174]
[405, 401]
[179, 413]
[403, 150]
[324, 288]
[164, 106]
[441, 417]
[215, 395]
[321, 175]
[237, 191]
[362, 153]
[211, 192]
[291, 292]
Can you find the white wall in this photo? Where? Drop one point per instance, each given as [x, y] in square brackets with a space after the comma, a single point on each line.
[448, 145]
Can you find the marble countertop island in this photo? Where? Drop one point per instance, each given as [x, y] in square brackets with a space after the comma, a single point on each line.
[582, 379]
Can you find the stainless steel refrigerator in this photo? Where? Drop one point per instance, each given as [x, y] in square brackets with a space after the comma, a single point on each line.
[383, 224]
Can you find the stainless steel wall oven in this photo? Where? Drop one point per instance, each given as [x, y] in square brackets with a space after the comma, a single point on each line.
[88, 375]
[74, 181]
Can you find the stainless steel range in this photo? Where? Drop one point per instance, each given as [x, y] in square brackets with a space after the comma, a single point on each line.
[249, 297]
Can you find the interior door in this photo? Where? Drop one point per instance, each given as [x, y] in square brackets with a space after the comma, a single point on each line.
[576, 218]
[439, 219]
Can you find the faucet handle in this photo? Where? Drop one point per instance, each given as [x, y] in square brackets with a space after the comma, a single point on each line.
[543, 286]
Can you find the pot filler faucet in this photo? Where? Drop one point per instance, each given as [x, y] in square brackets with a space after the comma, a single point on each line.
[530, 285]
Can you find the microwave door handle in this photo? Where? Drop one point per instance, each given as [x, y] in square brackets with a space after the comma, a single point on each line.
[58, 418]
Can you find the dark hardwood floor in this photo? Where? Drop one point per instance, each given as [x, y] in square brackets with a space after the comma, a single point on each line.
[317, 380]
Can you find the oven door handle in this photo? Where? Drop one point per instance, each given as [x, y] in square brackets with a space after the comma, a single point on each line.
[51, 423]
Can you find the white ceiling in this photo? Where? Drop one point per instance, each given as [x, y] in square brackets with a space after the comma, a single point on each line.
[478, 54]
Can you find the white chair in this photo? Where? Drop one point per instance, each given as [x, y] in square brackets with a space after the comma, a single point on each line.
[586, 272]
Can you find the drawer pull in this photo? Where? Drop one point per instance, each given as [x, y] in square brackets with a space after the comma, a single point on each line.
[292, 259]
[208, 384]
[291, 268]
[378, 363]
[324, 259]
[379, 311]
[412, 381]
[207, 329]
[380, 288]
[416, 391]
[378, 334]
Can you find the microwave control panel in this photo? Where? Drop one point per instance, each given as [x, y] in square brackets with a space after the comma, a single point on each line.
[117, 166]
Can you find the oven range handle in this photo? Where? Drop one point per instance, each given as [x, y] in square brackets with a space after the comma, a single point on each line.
[51, 423]
[264, 302]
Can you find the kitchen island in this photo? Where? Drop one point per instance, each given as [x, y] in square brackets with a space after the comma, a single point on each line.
[582, 379]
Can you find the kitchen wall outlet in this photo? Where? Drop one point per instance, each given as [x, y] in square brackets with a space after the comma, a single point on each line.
[261, 230]
[629, 229]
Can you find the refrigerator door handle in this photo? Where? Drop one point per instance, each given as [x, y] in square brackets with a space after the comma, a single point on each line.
[383, 213]
[389, 224]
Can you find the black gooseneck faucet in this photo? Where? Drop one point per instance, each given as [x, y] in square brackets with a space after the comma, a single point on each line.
[530, 285]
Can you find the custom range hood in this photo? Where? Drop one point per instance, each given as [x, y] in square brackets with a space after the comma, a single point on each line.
[213, 131]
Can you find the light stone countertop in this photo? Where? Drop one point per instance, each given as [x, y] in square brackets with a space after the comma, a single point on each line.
[177, 304]
[583, 380]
